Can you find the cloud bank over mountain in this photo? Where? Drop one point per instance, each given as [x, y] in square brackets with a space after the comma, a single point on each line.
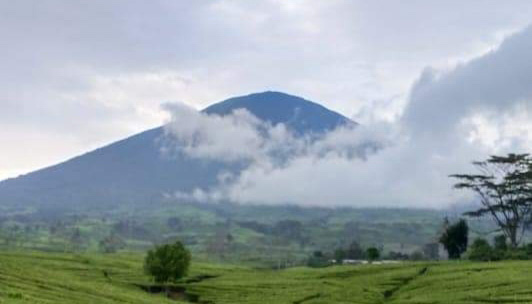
[79, 74]
[479, 107]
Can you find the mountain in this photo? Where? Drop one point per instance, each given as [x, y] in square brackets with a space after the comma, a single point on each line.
[300, 115]
[133, 171]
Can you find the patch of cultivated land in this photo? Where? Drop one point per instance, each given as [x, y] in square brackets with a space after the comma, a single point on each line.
[118, 278]
[68, 278]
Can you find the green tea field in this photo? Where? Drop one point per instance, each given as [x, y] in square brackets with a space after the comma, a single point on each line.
[118, 278]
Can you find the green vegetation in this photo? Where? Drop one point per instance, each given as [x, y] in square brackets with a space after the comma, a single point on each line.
[504, 187]
[455, 238]
[273, 236]
[119, 278]
[168, 262]
[481, 250]
[373, 253]
[96, 256]
[71, 278]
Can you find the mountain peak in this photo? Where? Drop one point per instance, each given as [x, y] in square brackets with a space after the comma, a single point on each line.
[299, 114]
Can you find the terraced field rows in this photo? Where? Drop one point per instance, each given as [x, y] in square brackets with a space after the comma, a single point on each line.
[67, 278]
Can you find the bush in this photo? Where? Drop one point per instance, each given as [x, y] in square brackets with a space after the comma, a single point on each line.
[516, 254]
[528, 250]
[417, 256]
[373, 253]
[339, 255]
[317, 260]
[395, 255]
[111, 244]
[168, 262]
[480, 250]
[499, 242]
[355, 251]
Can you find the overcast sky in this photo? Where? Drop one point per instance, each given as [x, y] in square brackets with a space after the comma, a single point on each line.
[75, 75]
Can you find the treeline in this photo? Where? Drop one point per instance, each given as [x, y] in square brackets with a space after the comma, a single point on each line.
[455, 240]
[503, 185]
[354, 253]
[482, 250]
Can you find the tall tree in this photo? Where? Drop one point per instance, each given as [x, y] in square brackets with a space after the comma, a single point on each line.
[355, 251]
[504, 186]
[373, 253]
[455, 238]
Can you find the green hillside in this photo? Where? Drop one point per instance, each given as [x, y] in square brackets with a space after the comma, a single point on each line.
[118, 278]
[221, 232]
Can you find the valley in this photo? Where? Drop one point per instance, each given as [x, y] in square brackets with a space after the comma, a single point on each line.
[271, 236]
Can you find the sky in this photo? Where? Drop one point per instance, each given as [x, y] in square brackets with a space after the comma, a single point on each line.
[80, 74]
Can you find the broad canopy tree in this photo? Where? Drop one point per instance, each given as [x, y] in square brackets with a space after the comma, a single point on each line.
[168, 262]
[504, 186]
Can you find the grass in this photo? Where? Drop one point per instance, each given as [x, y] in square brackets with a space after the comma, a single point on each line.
[67, 278]
[115, 278]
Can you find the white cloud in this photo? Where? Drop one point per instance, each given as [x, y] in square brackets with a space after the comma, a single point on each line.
[231, 138]
[453, 117]
[98, 70]
[511, 129]
[342, 168]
